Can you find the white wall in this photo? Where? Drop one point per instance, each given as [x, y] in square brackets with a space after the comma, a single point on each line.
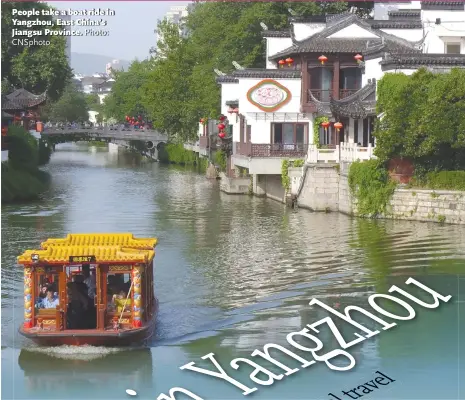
[412, 35]
[303, 30]
[275, 45]
[354, 32]
[381, 9]
[372, 70]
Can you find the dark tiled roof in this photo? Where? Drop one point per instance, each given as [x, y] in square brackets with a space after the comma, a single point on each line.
[260, 73]
[226, 79]
[420, 60]
[92, 80]
[404, 14]
[357, 105]
[21, 99]
[443, 5]
[396, 24]
[232, 102]
[319, 42]
[278, 34]
[310, 18]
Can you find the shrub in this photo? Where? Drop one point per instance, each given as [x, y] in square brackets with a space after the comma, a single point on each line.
[371, 186]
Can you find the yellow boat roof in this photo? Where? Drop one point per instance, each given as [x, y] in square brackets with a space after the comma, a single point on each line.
[102, 254]
[102, 239]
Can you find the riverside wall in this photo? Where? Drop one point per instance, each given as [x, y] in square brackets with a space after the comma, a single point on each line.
[325, 187]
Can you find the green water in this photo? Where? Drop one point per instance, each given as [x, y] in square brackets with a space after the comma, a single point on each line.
[233, 273]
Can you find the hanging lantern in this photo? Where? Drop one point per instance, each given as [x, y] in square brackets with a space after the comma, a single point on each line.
[202, 120]
[222, 135]
[289, 61]
[230, 110]
[281, 63]
[338, 126]
[221, 126]
[322, 59]
[222, 118]
[325, 125]
[358, 58]
[236, 111]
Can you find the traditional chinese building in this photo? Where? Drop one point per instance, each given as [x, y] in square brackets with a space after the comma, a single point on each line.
[24, 106]
[318, 89]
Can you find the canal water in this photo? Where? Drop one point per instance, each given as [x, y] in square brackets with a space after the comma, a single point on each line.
[234, 273]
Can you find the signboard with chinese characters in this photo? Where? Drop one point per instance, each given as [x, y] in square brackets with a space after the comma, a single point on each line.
[269, 95]
[82, 259]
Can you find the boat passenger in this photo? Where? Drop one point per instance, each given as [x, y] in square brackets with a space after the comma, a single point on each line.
[119, 300]
[89, 280]
[50, 301]
[78, 306]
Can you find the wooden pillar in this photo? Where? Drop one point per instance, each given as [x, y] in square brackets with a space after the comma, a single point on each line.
[336, 67]
[137, 301]
[305, 81]
[28, 298]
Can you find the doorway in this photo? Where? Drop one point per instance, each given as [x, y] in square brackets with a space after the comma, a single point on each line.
[81, 294]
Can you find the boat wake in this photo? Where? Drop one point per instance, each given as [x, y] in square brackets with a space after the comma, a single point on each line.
[82, 353]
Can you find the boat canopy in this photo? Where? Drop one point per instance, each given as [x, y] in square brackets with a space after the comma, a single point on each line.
[102, 239]
[92, 248]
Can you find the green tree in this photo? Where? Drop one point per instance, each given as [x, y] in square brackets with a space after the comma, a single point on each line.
[35, 68]
[71, 107]
[424, 119]
[126, 93]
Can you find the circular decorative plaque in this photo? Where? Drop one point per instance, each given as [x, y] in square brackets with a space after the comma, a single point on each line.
[269, 95]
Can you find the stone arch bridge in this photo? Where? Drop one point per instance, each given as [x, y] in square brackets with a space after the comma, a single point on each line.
[147, 142]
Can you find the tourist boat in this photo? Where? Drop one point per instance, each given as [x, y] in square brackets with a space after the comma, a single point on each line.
[120, 311]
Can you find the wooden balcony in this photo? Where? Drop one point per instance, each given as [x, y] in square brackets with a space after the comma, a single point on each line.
[320, 95]
[343, 93]
[270, 150]
[324, 95]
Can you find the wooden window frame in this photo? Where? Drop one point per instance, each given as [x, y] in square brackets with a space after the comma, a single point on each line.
[305, 125]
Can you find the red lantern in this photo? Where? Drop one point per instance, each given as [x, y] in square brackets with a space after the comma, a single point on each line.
[202, 120]
[221, 126]
[289, 61]
[236, 111]
[323, 59]
[281, 63]
[338, 126]
[222, 117]
[230, 110]
[325, 124]
[358, 58]
[222, 135]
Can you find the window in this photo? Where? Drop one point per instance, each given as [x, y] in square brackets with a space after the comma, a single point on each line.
[289, 133]
[452, 48]
[118, 288]
[350, 78]
[49, 279]
[320, 80]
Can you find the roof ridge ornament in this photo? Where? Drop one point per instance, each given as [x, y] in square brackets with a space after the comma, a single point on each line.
[264, 26]
[237, 65]
[218, 72]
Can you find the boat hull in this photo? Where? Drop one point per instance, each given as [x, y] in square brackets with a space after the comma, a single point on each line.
[91, 337]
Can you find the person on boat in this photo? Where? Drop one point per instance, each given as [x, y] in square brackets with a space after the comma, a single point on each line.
[119, 300]
[89, 280]
[51, 300]
[78, 306]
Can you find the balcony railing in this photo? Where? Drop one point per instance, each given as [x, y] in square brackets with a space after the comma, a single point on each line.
[325, 95]
[348, 152]
[271, 150]
[320, 95]
[343, 93]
